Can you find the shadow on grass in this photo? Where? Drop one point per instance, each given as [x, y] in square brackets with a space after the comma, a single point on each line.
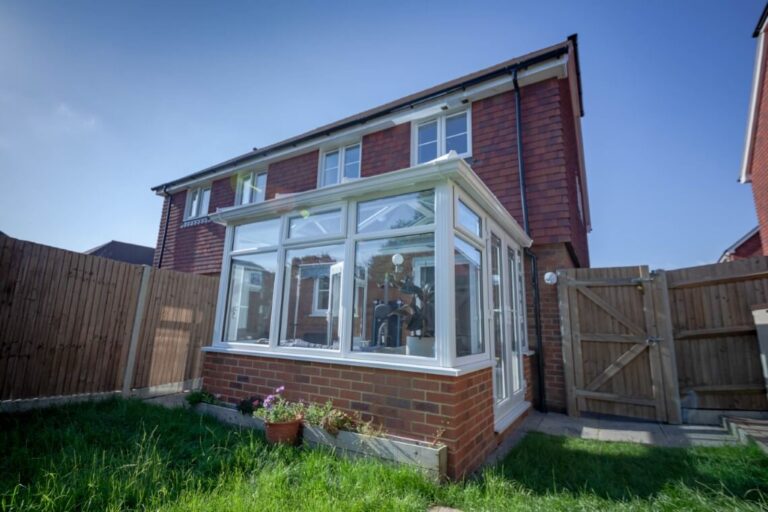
[547, 464]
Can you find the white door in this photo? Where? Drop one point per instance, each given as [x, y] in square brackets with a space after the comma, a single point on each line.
[504, 288]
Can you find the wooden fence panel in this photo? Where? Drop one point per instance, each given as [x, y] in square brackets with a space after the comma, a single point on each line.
[66, 321]
[718, 359]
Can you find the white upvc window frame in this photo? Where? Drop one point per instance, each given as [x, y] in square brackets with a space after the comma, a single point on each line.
[253, 175]
[342, 150]
[447, 194]
[316, 290]
[192, 196]
[440, 119]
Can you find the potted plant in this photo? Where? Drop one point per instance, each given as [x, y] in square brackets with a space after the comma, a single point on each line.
[418, 316]
[281, 417]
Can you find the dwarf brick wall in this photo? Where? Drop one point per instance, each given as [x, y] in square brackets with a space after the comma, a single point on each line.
[386, 150]
[759, 167]
[458, 411]
[195, 246]
[752, 246]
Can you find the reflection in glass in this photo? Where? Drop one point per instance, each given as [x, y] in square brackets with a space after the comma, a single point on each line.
[468, 270]
[305, 270]
[395, 212]
[249, 304]
[394, 308]
[256, 235]
[315, 224]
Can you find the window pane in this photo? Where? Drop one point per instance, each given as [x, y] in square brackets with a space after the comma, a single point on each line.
[394, 310]
[456, 125]
[249, 304]
[331, 169]
[205, 201]
[193, 202]
[428, 132]
[457, 143]
[427, 152]
[315, 224]
[515, 312]
[468, 272]
[257, 235]
[260, 189]
[468, 219]
[415, 209]
[246, 186]
[499, 341]
[303, 267]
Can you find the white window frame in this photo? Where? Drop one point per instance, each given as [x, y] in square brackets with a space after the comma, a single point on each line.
[441, 134]
[188, 214]
[342, 150]
[253, 175]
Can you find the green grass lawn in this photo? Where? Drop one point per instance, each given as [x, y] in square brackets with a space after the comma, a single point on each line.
[129, 455]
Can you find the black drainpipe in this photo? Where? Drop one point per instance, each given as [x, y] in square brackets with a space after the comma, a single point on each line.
[528, 252]
[165, 228]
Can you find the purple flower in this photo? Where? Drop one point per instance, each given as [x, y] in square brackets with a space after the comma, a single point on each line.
[280, 389]
[268, 401]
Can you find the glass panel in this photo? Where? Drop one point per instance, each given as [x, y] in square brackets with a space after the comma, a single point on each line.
[427, 142]
[315, 224]
[522, 316]
[394, 309]
[515, 312]
[260, 191]
[246, 189]
[352, 162]
[331, 169]
[205, 202]
[193, 203]
[456, 125]
[303, 267]
[249, 304]
[499, 340]
[415, 209]
[468, 219]
[257, 235]
[468, 272]
[457, 143]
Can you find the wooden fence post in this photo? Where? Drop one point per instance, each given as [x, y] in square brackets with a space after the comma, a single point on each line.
[667, 347]
[141, 304]
[760, 314]
[566, 340]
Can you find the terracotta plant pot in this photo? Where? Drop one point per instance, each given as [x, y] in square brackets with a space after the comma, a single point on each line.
[285, 433]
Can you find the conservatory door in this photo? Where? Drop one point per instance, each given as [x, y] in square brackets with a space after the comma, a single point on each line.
[508, 384]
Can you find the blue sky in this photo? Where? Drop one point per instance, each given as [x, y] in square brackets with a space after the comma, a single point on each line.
[99, 101]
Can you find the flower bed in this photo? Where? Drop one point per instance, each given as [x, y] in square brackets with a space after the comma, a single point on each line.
[325, 426]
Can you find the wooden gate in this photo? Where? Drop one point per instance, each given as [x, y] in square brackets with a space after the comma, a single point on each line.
[618, 346]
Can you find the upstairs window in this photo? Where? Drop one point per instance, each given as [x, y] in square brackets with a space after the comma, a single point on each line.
[252, 188]
[340, 165]
[437, 136]
[198, 200]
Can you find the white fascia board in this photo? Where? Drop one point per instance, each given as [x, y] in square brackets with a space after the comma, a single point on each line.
[746, 159]
[440, 170]
[552, 68]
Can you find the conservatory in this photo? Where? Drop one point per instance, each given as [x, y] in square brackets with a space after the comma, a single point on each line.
[416, 270]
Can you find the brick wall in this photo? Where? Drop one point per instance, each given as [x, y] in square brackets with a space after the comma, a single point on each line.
[195, 246]
[752, 246]
[759, 168]
[456, 410]
[296, 174]
[386, 150]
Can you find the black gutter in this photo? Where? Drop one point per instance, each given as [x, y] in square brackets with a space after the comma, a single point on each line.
[165, 228]
[534, 260]
[502, 71]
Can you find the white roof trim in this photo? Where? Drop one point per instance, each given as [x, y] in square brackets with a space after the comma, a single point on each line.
[449, 167]
[746, 159]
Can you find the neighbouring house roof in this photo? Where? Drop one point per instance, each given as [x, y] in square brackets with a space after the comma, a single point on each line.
[730, 251]
[754, 99]
[122, 251]
[425, 95]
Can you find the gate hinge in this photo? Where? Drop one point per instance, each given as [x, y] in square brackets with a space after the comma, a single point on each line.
[653, 340]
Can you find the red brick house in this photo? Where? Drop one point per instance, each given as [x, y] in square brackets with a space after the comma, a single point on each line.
[754, 168]
[384, 261]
